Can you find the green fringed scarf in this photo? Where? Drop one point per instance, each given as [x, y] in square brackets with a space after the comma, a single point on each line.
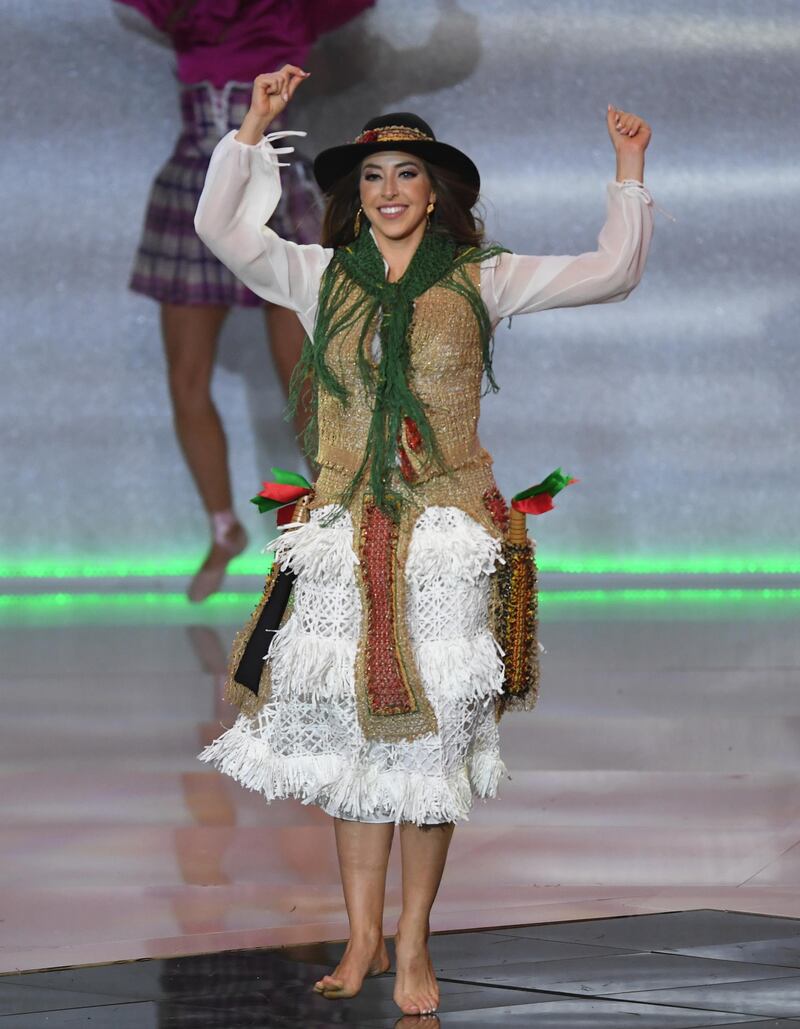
[357, 271]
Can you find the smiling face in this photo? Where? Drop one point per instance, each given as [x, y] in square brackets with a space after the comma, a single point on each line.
[395, 192]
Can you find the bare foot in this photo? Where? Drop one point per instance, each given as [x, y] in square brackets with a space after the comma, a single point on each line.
[209, 577]
[363, 957]
[416, 991]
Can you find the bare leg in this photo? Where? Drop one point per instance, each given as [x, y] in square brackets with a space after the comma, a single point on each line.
[190, 344]
[424, 852]
[286, 336]
[363, 849]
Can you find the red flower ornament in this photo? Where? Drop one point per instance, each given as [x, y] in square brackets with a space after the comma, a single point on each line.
[282, 494]
[539, 498]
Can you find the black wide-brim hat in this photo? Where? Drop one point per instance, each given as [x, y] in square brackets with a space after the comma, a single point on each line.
[398, 131]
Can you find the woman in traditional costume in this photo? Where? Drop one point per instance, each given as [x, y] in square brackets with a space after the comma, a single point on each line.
[411, 627]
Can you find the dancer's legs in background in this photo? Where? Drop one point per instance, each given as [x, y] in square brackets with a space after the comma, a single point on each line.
[285, 335]
[190, 343]
[191, 335]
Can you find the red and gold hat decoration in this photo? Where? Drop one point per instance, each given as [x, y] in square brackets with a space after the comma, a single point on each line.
[394, 134]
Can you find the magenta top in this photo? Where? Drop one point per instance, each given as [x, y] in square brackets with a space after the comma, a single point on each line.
[223, 41]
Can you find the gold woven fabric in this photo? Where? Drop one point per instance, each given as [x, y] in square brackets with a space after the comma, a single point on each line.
[446, 374]
[447, 370]
[515, 623]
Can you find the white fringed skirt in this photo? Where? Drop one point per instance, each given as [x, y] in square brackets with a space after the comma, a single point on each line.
[306, 741]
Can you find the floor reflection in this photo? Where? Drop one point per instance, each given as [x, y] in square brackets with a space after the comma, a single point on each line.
[618, 973]
[658, 772]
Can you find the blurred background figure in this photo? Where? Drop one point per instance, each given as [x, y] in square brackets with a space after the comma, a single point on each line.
[219, 47]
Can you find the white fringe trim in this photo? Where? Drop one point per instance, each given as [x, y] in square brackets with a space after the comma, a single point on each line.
[354, 792]
[318, 551]
[319, 668]
[250, 762]
[404, 796]
[462, 669]
[463, 550]
[312, 667]
[485, 772]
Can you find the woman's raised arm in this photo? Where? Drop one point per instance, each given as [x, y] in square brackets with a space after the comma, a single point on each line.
[241, 191]
[521, 284]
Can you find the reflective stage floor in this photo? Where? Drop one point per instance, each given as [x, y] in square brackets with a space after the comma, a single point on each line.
[659, 772]
[664, 971]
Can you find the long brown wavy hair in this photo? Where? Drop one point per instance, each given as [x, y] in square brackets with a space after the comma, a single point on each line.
[454, 215]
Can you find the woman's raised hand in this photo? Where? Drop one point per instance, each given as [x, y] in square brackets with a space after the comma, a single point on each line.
[630, 136]
[271, 93]
[628, 132]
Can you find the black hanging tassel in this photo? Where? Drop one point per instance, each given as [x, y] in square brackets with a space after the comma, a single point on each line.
[251, 665]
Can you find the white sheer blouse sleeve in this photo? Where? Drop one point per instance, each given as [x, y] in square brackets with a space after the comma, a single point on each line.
[521, 284]
[241, 191]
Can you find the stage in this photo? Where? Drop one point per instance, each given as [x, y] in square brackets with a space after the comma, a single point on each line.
[659, 772]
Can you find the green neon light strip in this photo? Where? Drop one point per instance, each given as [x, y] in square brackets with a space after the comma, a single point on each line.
[588, 564]
[89, 601]
[569, 598]
[551, 598]
[119, 568]
[48, 609]
[679, 564]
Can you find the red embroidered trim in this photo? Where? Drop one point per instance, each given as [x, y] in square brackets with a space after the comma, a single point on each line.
[495, 504]
[393, 134]
[388, 691]
[413, 437]
[406, 468]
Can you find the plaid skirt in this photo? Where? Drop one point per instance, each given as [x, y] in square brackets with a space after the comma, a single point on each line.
[172, 264]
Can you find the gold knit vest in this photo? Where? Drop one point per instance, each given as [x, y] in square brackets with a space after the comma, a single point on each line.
[446, 372]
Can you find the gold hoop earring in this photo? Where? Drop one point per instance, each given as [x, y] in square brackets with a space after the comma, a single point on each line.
[357, 222]
[428, 212]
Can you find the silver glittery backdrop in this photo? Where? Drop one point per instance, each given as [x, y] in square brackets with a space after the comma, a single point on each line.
[675, 408]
